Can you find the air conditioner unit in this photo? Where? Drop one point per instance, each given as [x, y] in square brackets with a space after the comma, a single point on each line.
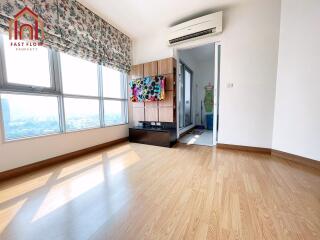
[207, 25]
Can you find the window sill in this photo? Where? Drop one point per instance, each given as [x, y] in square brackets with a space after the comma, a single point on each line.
[4, 141]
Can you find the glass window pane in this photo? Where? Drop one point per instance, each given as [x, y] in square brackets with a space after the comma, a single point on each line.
[79, 76]
[113, 83]
[27, 116]
[81, 113]
[27, 67]
[115, 112]
[187, 97]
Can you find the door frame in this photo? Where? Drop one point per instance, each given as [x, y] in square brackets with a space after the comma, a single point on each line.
[216, 91]
[192, 44]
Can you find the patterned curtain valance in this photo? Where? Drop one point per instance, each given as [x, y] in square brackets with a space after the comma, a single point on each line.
[72, 28]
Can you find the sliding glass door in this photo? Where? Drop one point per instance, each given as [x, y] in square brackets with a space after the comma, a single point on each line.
[185, 99]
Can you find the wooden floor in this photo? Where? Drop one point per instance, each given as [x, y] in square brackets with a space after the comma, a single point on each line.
[133, 191]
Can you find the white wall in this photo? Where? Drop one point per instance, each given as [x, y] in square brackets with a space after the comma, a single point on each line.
[151, 47]
[249, 60]
[297, 111]
[23, 152]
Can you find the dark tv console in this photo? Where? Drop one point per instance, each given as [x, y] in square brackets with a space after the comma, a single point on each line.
[164, 135]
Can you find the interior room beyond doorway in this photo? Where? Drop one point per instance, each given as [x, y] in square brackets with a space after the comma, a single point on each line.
[196, 95]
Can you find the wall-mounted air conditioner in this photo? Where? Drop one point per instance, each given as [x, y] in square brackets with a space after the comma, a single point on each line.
[207, 25]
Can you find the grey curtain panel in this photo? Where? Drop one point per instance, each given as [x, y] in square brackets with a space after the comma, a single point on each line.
[72, 28]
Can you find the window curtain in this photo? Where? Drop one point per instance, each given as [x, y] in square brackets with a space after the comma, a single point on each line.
[72, 28]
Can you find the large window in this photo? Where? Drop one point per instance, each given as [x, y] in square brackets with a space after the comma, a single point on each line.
[113, 83]
[28, 115]
[114, 112]
[80, 87]
[115, 95]
[81, 113]
[28, 68]
[45, 92]
[79, 77]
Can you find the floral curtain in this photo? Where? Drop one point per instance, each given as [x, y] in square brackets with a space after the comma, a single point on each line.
[72, 28]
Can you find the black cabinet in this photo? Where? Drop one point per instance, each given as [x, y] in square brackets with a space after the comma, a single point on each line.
[153, 136]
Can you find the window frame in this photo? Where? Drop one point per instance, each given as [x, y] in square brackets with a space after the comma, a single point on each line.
[26, 137]
[124, 109]
[79, 96]
[56, 90]
[16, 87]
[124, 80]
[58, 57]
[86, 128]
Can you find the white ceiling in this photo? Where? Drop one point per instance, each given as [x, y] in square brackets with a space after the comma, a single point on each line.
[138, 18]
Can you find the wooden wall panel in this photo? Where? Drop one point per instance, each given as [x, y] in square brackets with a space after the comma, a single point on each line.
[138, 114]
[136, 71]
[166, 114]
[137, 104]
[151, 114]
[163, 111]
[170, 82]
[166, 66]
[151, 104]
[150, 69]
[168, 100]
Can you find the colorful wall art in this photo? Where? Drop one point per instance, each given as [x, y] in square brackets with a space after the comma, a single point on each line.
[147, 89]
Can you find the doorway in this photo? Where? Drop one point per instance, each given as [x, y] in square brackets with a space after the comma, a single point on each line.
[198, 101]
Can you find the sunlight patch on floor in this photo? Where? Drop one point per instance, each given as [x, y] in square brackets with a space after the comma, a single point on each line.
[122, 162]
[117, 151]
[76, 167]
[66, 191]
[24, 187]
[8, 214]
[193, 140]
